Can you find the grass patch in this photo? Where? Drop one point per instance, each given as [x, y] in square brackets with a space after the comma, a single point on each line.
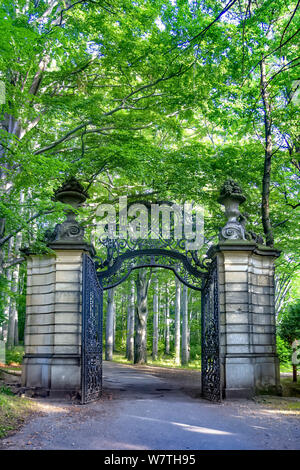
[6, 368]
[162, 361]
[290, 388]
[13, 411]
[288, 403]
[285, 405]
[286, 368]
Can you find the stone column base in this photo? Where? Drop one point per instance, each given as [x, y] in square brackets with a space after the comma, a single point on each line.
[55, 376]
[249, 375]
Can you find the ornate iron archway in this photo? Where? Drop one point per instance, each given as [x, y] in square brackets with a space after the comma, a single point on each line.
[126, 255]
[122, 257]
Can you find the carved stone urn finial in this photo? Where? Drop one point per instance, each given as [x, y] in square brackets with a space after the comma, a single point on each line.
[71, 192]
[231, 196]
[70, 231]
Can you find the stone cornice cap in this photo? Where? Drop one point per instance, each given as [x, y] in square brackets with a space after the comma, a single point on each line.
[241, 245]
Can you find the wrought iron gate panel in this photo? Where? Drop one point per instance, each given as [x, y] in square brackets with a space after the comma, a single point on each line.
[210, 337]
[91, 345]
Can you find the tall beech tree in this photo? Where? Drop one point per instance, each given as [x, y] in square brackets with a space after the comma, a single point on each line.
[130, 323]
[109, 327]
[155, 320]
[177, 321]
[142, 282]
[185, 326]
[167, 320]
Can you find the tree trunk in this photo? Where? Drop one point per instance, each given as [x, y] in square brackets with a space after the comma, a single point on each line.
[167, 323]
[177, 322]
[115, 325]
[109, 330]
[130, 325]
[12, 329]
[140, 343]
[122, 315]
[185, 327]
[294, 373]
[265, 207]
[12, 333]
[282, 287]
[155, 321]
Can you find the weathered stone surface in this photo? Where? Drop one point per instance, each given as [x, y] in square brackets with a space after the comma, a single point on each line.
[236, 318]
[39, 329]
[41, 299]
[236, 277]
[71, 307]
[39, 309]
[37, 350]
[68, 256]
[237, 297]
[67, 286]
[67, 297]
[38, 320]
[237, 349]
[67, 318]
[237, 338]
[67, 349]
[247, 318]
[53, 323]
[236, 287]
[68, 267]
[65, 377]
[43, 279]
[42, 289]
[237, 328]
[68, 276]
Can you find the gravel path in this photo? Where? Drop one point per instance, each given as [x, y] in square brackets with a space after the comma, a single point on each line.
[154, 408]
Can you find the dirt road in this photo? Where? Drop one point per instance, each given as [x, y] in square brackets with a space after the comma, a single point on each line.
[147, 408]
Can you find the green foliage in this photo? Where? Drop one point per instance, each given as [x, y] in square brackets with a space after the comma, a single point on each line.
[284, 350]
[195, 352]
[151, 100]
[4, 289]
[289, 326]
[6, 390]
[15, 355]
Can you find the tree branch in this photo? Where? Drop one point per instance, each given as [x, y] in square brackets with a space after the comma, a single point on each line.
[179, 72]
[17, 230]
[288, 23]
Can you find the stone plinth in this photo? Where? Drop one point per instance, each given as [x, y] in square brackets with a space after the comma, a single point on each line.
[52, 361]
[249, 362]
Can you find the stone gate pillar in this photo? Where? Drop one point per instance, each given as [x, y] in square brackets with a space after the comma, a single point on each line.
[52, 361]
[249, 362]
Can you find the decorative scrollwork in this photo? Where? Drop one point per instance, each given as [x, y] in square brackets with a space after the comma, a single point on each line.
[69, 230]
[233, 231]
[125, 255]
[231, 196]
[202, 263]
[152, 258]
